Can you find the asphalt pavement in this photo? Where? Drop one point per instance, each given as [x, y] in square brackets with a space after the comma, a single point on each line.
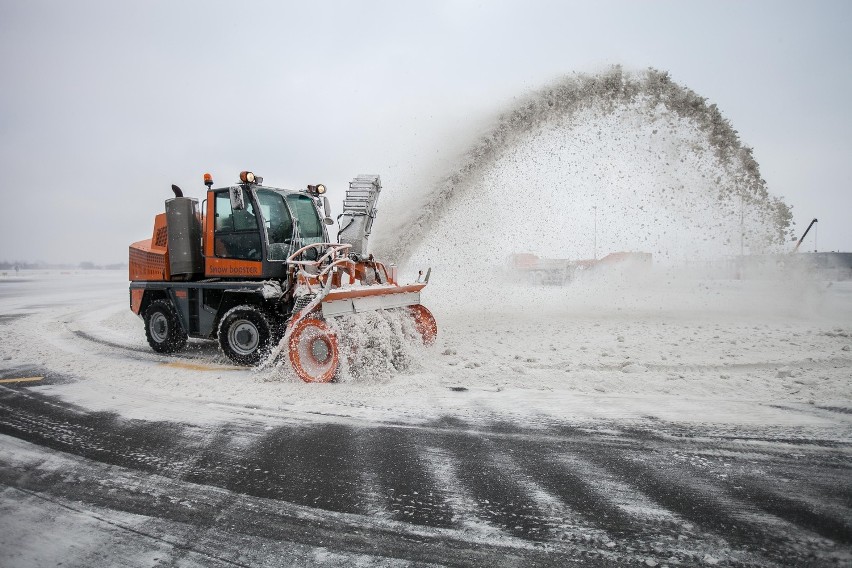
[335, 492]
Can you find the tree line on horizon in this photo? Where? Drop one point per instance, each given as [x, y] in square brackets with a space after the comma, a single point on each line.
[86, 265]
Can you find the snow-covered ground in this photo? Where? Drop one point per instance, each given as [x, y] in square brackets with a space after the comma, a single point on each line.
[652, 417]
[660, 345]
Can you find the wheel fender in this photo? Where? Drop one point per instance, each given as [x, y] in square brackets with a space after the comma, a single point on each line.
[180, 301]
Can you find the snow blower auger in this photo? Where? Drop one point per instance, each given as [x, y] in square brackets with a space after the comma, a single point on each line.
[256, 271]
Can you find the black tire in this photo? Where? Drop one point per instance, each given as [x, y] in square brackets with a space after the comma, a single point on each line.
[162, 328]
[244, 335]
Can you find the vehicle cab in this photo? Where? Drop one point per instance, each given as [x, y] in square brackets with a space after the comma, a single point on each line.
[251, 229]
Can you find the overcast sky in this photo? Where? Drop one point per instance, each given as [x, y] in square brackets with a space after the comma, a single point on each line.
[104, 105]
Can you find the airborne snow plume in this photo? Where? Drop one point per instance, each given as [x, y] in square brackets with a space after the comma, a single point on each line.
[591, 165]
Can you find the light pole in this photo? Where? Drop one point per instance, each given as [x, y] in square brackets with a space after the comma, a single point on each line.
[742, 226]
[595, 208]
[815, 238]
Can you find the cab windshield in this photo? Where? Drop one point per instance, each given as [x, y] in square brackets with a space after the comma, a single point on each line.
[310, 227]
[278, 221]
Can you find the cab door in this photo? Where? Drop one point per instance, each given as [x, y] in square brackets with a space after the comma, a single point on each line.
[233, 242]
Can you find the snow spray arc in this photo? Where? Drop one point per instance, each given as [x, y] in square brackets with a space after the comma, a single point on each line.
[660, 169]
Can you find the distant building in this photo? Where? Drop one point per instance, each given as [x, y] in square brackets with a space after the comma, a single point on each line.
[820, 265]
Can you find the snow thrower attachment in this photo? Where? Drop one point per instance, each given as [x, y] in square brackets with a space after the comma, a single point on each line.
[256, 271]
[359, 210]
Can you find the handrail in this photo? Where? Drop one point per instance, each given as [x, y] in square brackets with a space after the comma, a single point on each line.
[336, 253]
[337, 262]
[334, 249]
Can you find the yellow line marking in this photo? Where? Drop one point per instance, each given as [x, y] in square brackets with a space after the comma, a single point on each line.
[21, 380]
[202, 367]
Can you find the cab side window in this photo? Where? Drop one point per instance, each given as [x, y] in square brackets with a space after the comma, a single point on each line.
[237, 233]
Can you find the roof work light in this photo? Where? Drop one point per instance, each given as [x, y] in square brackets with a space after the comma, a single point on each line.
[249, 177]
[317, 189]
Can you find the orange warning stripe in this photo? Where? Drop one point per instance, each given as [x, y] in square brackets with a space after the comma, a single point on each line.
[21, 380]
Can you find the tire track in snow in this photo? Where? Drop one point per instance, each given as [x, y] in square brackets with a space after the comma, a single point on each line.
[240, 528]
[782, 484]
[500, 500]
[478, 481]
[746, 521]
[398, 464]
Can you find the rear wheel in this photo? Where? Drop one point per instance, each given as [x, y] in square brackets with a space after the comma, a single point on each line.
[424, 323]
[313, 351]
[244, 334]
[162, 328]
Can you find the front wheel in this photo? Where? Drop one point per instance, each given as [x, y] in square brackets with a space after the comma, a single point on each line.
[162, 328]
[313, 351]
[244, 335]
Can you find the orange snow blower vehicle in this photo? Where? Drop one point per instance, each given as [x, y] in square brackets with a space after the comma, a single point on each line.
[256, 271]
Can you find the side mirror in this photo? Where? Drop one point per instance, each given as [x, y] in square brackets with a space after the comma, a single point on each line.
[327, 209]
[237, 203]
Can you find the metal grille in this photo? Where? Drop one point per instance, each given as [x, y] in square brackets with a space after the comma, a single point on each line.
[162, 237]
[303, 301]
[147, 265]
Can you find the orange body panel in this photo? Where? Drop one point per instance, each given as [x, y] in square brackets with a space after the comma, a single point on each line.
[232, 267]
[365, 291]
[149, 259]
[136, 300]
[207, 228]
